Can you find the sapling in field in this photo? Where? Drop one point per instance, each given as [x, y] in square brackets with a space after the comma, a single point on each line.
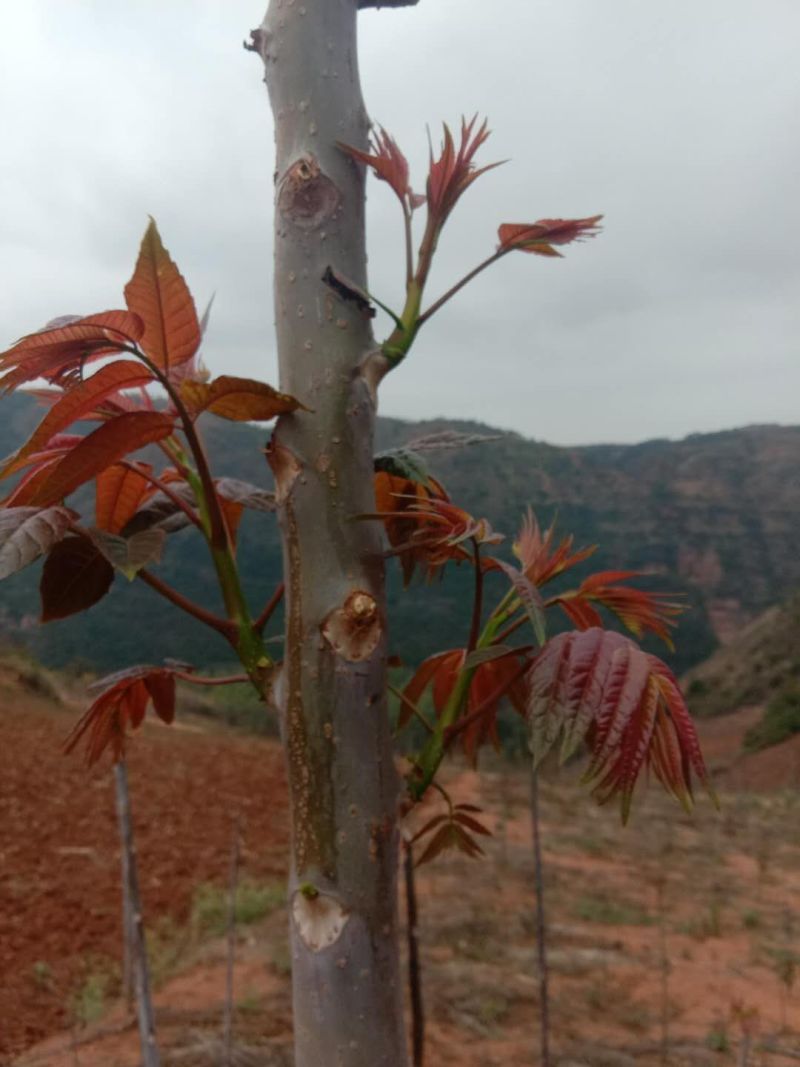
[135, 376]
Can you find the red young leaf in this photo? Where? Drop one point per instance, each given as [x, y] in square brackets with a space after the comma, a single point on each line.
[450, 835]
[446, 677]
[55, 353]
[232, 514]
[599, 686]
[238, 399]
[158, 293]
[27, 487]
[122, 703]
[435, 529]
[540, 236]
[470, 823]
[437, 820]
[540, 562]
[161, 687]
[162, 511]
[453, 172]
[394, 497]
[638, 610]
[118, 494]
[104, 446]
[418, 684]
[76, 403]
[27, 533]
[386, 161]
[74, 577]
[493, 680]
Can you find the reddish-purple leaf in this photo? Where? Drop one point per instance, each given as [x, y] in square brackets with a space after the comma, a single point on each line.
[237, 399]
[27, 487]
[540, 236]
[121, 704]
[386, 161]
[74, 577]
[441, 840]
[27, 533]
[437, 820]
[54, 353]
[104, 446]
[470, 823]
[599, 686]
[158, 293]
[118, 493]
[415, 688]
[161, 687]
[77, 402]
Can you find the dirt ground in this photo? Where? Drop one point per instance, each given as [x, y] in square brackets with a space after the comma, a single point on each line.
[672, 941]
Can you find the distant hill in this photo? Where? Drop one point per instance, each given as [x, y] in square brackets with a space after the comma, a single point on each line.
[715, 516]
[761, 662]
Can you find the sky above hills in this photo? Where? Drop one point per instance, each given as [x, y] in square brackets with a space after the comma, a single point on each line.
[678, 121]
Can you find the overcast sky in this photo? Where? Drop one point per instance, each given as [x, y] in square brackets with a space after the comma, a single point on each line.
[677, 120]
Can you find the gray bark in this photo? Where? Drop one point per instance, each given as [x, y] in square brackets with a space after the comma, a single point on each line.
[387, 3]
[343, 783]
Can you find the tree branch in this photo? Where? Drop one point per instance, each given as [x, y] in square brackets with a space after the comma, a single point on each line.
[269, 609]
[176, 499]
[223, 626]
[230, 679]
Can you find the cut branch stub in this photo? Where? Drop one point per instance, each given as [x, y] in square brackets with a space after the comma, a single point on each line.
[354, 629]
[319, 917]
[307, 196]
[285, 468]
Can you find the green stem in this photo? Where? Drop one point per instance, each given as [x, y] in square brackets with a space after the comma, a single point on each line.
[433, 753]
[396, 347]
[485, 704]
[222, 626]
[430, 759]
[165, 489]
[410, 705]
[218, 533]
[409, 252]
[248, 644]
[269, 608]
[451, 292]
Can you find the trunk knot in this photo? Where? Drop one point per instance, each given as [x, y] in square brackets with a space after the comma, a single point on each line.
[307, 197]
[354, 629]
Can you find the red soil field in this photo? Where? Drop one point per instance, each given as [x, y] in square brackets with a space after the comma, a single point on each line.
[706, 960]
[59, 847]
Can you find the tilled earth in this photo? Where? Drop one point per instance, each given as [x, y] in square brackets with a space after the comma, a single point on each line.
[59, 847]
[675, 940]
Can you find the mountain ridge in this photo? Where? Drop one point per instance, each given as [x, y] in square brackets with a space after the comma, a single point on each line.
[711, 516]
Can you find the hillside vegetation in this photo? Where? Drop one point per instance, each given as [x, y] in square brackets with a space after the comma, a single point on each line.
[714, 517]
[762, 662]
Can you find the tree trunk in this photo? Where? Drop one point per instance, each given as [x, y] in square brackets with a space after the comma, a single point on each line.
[343, 783]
